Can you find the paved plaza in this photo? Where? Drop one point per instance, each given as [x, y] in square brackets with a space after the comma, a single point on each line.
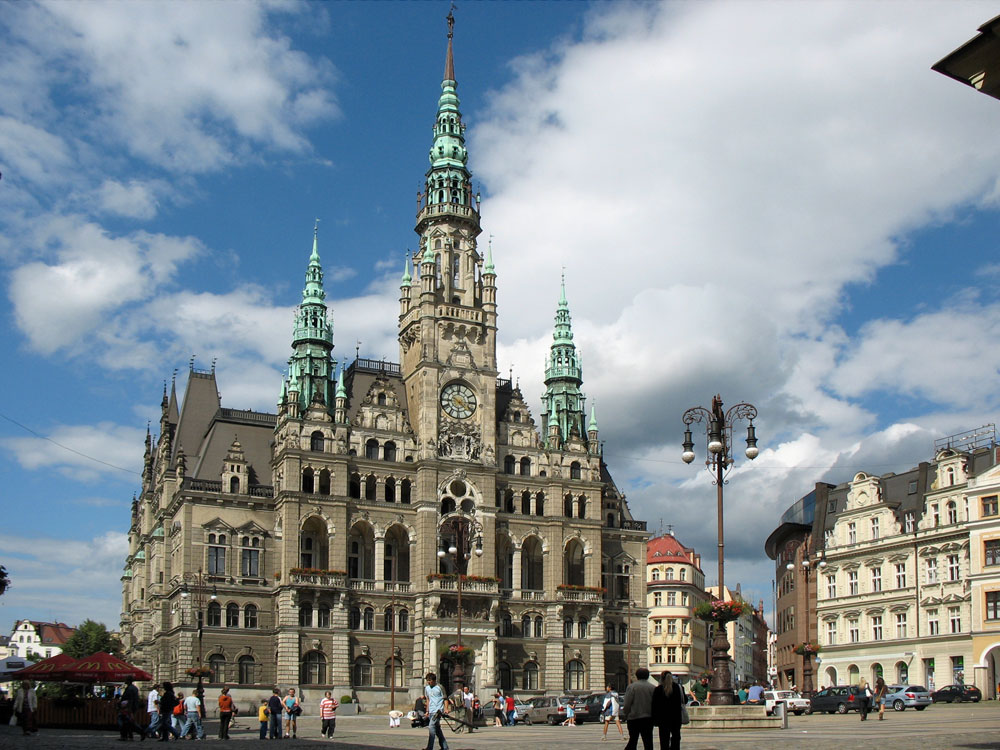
[940, 727]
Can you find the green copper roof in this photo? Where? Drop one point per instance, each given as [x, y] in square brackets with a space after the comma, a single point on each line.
[489, 258]
[563, 399]
[592, 427]
[407, 279]
[341, 390]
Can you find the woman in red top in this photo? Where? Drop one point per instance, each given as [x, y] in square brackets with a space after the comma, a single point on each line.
[225, 713]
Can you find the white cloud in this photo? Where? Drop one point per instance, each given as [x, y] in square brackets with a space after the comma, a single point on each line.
[84, 452]
[65, 579]
[135, 200]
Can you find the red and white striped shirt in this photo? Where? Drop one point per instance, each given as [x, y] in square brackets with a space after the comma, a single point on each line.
[328, 708]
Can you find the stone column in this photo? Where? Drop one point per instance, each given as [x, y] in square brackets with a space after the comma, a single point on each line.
[515, 582]
[380, 562]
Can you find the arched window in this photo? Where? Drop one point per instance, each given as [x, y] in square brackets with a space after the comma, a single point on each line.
[525, 467]
[394, 680]
[669, 574]
[611, 520]
[362, 672]
[575, 676]
[232, 615]
[853, 673]
[323, 616]
[214, 618]
[316, 442]
[683, 574]
[369, 618]
[623, 633]
[381, 399]
[539, 627]
[371, 449]
[247, 674]
[447, 506]
[508, 500]
[952, 513]
[217, 663]
[831, 676]
[404, 492]
[234, 485]
[581, 506]
[609, 635]
[389, 451]
[568, 627]
[404, 621]
[902, 672]
[506, 626]
[307, 480]
[574, 470]
[526, 626]
[532, 565]
[573, 563]
[656, 574]
[539, 503]
[530, 676]
[324, 482]
[354, 620]
[370, 487]
[390, 490]
[509, 463]
[354, 487]
[526, 503]
[387, 620]
[305, 615]
[568, 506]
[313, 669]
[250, 616]
[582, 628]
[504, 676]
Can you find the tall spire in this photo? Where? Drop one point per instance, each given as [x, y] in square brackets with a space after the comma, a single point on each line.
[563, 399]
[449, 60]
[310, 368]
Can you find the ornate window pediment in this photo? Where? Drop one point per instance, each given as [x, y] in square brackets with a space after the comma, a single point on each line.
[874, 611]
[874, 562]
[930, 601]
[928, 551]
[899, 557]
[852, 613]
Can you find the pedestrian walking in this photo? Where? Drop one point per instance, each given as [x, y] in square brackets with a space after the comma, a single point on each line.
[192, 710]
[436, 705]
[864, 696]
[328, 714]
[168, 718]
[225, 713]
[511, 707]
[25, 705]
[611, 712]
[570, 720]
[668, 698]
[153, 711]
[499, 711]
[880, 692]
[128, 705]
[638, 711]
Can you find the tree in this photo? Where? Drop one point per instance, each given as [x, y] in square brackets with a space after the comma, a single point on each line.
[89, 638]
[4, 580]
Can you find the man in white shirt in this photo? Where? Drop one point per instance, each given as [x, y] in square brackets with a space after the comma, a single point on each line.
[192, 707]
[434, 695]
[153, 709]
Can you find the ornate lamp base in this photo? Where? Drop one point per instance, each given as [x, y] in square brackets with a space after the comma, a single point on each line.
[721, 684]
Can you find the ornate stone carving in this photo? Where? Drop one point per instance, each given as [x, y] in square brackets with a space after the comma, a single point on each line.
[459, 441]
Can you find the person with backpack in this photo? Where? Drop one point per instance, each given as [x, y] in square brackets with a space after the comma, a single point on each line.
[611, 711]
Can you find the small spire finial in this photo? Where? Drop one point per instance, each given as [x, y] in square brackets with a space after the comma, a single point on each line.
[357, 349]
[449, 62]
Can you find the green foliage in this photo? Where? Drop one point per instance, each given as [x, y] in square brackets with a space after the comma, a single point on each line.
[346, 699]
[4, 580]
[89, 638]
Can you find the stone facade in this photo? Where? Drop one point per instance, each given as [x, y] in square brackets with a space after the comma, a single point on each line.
[318, 547]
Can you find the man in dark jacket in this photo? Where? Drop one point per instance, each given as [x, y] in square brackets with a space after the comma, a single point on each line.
[274, 709]
[638, 710]
[167, 702]
[126, 715]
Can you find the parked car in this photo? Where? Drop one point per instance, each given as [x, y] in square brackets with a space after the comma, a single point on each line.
[595, 707]
[960, 693]
[552, 708]
[523, 708]
[840, 699]
[901, 697]
[792, 700]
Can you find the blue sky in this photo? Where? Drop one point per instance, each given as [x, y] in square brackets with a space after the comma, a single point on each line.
[779, 202]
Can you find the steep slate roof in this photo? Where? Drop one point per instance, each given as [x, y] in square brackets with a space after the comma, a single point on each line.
[201, 402]
[254, 430]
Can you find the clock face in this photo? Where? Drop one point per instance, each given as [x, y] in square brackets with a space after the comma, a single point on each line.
[458, 400]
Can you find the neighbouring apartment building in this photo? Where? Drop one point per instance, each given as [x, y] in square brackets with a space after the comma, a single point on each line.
[42, 638]
[747, 647]
[903, 575]
[675, 585]
[345, 541]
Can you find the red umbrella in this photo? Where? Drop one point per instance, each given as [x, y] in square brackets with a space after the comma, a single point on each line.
[102, 667]
[54, 668]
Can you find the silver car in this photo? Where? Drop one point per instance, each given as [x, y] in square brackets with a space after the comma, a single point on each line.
[901, 697]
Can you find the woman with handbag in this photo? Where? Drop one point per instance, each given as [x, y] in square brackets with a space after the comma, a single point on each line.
[669, 711]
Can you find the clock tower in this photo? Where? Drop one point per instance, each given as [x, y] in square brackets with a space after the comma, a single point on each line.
[447, 322]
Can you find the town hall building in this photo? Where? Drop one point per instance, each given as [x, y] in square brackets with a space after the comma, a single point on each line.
[391, 519]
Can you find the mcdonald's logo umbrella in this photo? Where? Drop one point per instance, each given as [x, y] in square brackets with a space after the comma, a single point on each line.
[102, 667]
[54, 669]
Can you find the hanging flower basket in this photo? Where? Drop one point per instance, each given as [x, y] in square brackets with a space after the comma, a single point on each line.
[199, 672]
[720, 611]
[807, 648]
[459, 653]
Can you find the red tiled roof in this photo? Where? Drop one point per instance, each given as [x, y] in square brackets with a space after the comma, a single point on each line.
[53, 633]
[666, 548]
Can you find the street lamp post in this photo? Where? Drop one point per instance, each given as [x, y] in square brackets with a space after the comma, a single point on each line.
[807, 671]
[198, 590]
[467, 532]
[719, 431]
